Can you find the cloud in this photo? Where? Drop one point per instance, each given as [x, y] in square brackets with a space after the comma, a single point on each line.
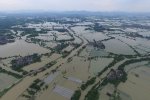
[69, 5]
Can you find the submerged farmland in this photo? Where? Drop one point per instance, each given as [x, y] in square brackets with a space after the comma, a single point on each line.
[75, 58]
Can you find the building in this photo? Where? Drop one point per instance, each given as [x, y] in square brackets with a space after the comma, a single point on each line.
[115, 74]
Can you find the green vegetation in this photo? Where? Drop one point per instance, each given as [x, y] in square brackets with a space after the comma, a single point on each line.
[7, 89]
[117, 59]
[10, 73]
[61, 30]
[65, 53]
[118, 81]
[50, 64]
[80, 50]
[26, 96]
[35, 40]
[65, 40]
[4, 91]
[89, 82]
[31, 32]
[35, 87]
[92, 95]
[8, 22]
[128, 62]
[69, 59]
[76, 95]
[31, 92]
[115, 82]
[121, 67]
[60, 47]
[115, 96]
[97, 27]
[17, 64]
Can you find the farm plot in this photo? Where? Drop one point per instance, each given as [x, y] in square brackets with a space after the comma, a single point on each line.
[6, 81]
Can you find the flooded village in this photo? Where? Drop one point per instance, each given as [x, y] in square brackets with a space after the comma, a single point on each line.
[71, 57]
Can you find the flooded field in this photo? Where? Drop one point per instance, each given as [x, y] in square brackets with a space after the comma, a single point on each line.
[118, 47]
[85, 23]
[20, 47]
[89, 34]
[80, 29]
[63, 37]
[127, 40]
[98, 53]
[99, 64]
[146, 33]
[44, 60]
[135, 65]
[90, 51]
[107, 89]
[69, 48]
[61, 58]
[51, 44]
[46, 37]
[77, 40]
[72, 69]
[95, 36]
[6, 81]
[138, 80]
[141, 45]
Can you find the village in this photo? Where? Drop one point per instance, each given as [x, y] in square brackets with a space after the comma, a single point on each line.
[75, 58]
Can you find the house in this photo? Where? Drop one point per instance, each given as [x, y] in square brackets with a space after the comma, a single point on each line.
[97, 44]
[23, 61]
[114, 74]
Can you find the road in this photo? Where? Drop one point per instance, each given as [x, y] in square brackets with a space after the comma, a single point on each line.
[18, 89]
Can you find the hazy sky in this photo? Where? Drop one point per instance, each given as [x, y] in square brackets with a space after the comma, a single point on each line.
[71, 5]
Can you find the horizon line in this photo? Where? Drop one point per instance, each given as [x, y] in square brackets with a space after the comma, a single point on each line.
[69, 11]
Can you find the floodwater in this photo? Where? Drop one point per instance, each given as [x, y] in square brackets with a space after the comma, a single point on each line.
[63, 37]
[99, 64]
[95, 36]
[89, 34]
[6, 81]
[79, 29]
[20, 47]
[141, 45]
[118, 47]
[137, 84]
